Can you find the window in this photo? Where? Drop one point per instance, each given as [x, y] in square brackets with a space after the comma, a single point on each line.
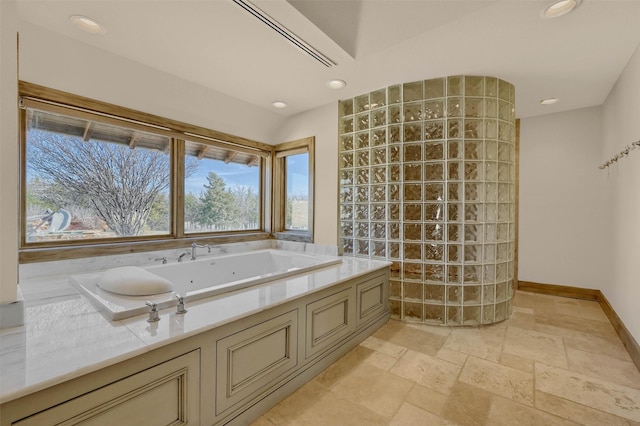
[294, 171]
[97, 174]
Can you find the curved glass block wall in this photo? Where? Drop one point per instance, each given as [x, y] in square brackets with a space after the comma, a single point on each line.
[427, 181]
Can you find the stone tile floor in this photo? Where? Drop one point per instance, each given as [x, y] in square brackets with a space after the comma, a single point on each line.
[556, 361]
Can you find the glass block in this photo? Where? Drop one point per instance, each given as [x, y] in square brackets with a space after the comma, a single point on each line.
[434, 232]
[433, 192]
[491, 87]
[413, 291]
[346, 229]
[394, 211]
[362, 103]
[473, 129]
[503, 151]
[395, 308]
[473, 170]
[394, 269]
[346, 142]
[412, 192]
[488, 314]
[454, 232]
[394, 250]
[362, 229]
[471, 315]
[393, 231]
[378, 137]
[503, 232]
[378, 193]
[472, 273]
[454, 212]
[503, 90]
[346, 160]
[454, 191]
[395, 134]
[434, 88]
[395, 289]
[491, 109]
[504, 131]
[412, 111]
[378, 98]
[473, 150]
[433, 212]
[434, 252]
[412, 91]
[472, 253]
[455, 150]
[489, 273]
[454, 253]
[361, 211]
[346, 125]
[362, 158]
[454, 274]
[433, 151]
[379, 174]
[362, 247]
[454, 107]
[501, 311]
[347, 246]
[362, 176]
[413, 172]
[379, 117]
[473, 212]
[501, 271]
[412, 271]
[394, 154]
[502, 252]
[489, 293]
[394, 95]
[345, 107]
[434, 314]
[346, 212]
[362, 121]
[434, 293]
[472, 295]
[412, 152]
[412, 232]
[433, 109]
[362, 140]
[412, 311]
[346, 194]
[434, 171]
[433, 130]
[473, 191]
[474, 86]
[394, 173]
[454, 294]
[504, 193]
[504, 110]
[454, 86]
[473, 232]
[412, 251]
[346, 177]
[379, 155]
[378, 230]
[474, 107]
[394, 115]
[490, 232]
[454, 315]
[362, 194]
[434, 273]
[489, 253]
[491, 129]
[394, 192]
[454, 128]
[378, 212]
[413, 212]
[503, 212]
[490, 171]
[490, 192]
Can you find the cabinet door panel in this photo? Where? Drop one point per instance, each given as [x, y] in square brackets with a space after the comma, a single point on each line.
[329, 320]
[372, 298]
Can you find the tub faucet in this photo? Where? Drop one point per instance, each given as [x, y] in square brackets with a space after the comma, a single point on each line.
[183, 255]
[194, 246]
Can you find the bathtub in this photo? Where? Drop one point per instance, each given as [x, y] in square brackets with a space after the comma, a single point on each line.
[204, 277]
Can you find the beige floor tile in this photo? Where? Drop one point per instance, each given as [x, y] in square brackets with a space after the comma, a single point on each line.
[409, 415]
[582, 309]
[262, 421]
[523, 320]
[524, 299]
[374, 389]
[595, 345]
[596, 328]
[605, 396]
[517, 362]
[604, 367]
[536, 346]
[427, 399]
[343, 366]
[452, 356]
[505, 412]
[427, 371]
[467, 405]
[419, 339]
[381, 361]
[575, 412]
[504, 381]
[485, 342]
[522, 310]
[384, 347]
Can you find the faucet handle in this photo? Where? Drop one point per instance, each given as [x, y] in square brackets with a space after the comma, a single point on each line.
[164, 260]
[153, 312]
[180, 309]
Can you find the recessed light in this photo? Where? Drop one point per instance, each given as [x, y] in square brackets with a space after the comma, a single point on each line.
[87, 24]
[549, 101]
[559, 8]
[279, 104]
[336, 84]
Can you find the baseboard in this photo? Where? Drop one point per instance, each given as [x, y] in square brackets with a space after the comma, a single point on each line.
[589, 294]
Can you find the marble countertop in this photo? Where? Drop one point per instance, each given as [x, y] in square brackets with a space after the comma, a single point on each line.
[64, 338]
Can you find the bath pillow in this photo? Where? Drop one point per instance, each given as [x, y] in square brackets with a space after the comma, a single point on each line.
[133, 281]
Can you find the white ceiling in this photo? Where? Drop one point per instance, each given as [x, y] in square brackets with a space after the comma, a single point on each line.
[375, 43]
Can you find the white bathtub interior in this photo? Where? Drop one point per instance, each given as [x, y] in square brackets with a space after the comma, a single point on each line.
[204, 277]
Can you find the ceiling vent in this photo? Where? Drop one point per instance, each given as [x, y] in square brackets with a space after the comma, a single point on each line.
[288, 35]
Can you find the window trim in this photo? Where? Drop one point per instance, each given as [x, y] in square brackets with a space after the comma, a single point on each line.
[281, 151]
[74, 105]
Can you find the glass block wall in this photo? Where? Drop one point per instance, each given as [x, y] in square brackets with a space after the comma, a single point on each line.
[427, 181]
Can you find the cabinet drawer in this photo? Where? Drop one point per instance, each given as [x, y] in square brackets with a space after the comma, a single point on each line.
[329, 320]
[167, 394]
[372, 299]
[255, 358]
